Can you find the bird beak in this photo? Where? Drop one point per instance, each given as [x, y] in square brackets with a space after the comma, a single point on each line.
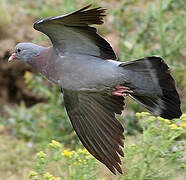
[12, 57]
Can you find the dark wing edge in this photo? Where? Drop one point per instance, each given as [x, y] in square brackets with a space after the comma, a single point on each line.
[93, 118]
[80, 19]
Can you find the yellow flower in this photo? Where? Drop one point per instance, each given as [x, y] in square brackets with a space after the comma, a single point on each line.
[67, 153]
[145, 113]
[28, 76]
[40, 155]
[183, 125]
[160, 118]
[175, 127]
[166, 121]
[103, 179]
[83, 151]
[49, 176]
[54, 144]
[33, 175]
[183, 117]
[142, 115]
[84, 161]
[151, 119]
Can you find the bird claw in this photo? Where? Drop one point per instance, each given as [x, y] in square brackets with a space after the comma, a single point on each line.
[121, 91]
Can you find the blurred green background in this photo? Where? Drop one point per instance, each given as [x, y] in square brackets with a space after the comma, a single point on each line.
[32, 111]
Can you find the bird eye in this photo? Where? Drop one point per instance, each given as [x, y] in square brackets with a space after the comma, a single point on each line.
[18, 50]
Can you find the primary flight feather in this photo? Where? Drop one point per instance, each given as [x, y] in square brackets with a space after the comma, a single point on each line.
[93, 83]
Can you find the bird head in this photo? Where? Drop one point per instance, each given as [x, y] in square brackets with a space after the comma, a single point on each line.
[25, 51]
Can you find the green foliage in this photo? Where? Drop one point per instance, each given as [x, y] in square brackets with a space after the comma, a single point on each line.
[69, 165]
[43, 121]
[132, 125]
[158, 153]
[155, 151]
[157, 30]
[41, 9]
[14, 154]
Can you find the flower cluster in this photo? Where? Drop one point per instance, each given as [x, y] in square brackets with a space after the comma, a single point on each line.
[81, 156]
[174, 125]
[67, 153]
[54, 145]
[41, 161]
[183, 125]
[142, 115]
[33, 175]
[49, 176]
[183, 117]
[41, 155]
[28, 77]
[165, 121]
[83, 151]
[72, 163]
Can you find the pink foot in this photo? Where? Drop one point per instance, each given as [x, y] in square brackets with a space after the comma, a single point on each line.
[121, 91]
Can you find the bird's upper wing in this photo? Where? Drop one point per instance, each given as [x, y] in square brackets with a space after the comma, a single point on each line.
[72, 34]
[93, 118]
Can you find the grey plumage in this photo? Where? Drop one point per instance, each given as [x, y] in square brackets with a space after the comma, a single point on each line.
[74, 27]
[82, 64]
[93, 118]
[26, 50]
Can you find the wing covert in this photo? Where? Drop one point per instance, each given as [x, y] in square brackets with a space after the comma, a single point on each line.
[72, 34]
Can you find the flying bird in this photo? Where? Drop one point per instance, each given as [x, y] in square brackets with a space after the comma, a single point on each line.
[94, 83]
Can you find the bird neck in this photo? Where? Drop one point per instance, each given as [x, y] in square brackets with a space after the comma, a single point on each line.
[45, 63]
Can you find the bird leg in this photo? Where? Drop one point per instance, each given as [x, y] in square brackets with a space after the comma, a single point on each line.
[121, 91]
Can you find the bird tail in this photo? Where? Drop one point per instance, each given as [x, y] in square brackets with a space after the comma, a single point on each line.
[153, 86]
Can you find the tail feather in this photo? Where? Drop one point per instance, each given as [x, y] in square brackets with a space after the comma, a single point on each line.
[164, 100]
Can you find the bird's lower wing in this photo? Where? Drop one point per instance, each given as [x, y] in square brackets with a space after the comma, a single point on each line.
[93, 118]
